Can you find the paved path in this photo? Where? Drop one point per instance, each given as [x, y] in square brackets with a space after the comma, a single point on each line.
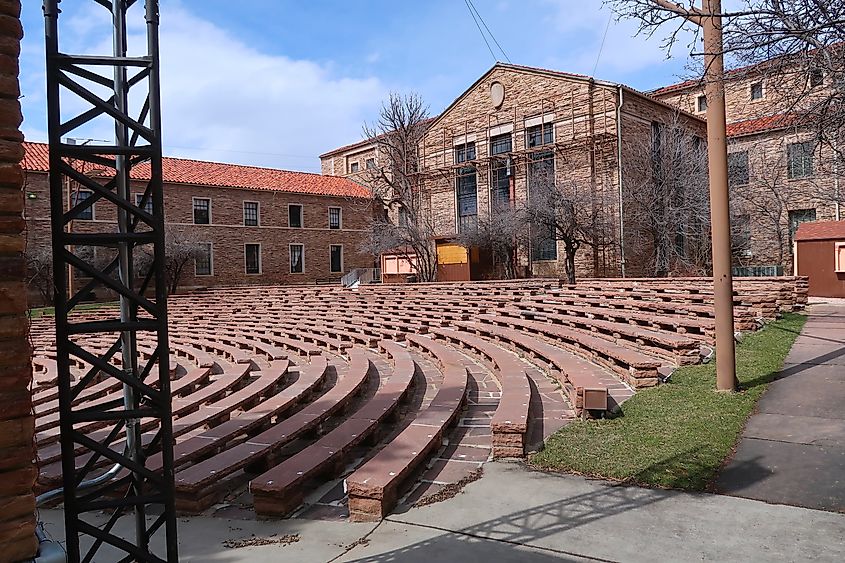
[793, 449]
[514, 514]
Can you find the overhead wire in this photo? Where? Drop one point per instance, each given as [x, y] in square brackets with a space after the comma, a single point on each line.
[493, 37]
[601, 47]
[484, 37]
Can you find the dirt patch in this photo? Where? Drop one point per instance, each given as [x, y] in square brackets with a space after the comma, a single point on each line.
[254, 541]
[451, 490]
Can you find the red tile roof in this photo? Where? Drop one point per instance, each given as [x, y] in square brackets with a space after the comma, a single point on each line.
[217, 174]
[821, 230]
[760, 124]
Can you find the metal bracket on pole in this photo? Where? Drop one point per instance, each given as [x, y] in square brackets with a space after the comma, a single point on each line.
[145, 384]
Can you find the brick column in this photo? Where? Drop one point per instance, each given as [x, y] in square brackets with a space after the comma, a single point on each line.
[17, 466]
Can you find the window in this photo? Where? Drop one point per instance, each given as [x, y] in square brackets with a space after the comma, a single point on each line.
[353, 167]
[202, 211]
[541, 170]
[800, 160]
[467, 196]
[465, 152]
[297, 259]
[203, 260]
[816, 77]
[500, 171]
[539, 135]
[656, 150]
[738, 168]
[839, 260]
[334, 217]
[501, 144]
[295, 216]
[403, 217]
[78, 197]
[798, 216]
[336, 258]
[701, 103]
[741, 236]
[251, 213]
[370, 163]
[148, 205]
[252, 258]
[757, 91]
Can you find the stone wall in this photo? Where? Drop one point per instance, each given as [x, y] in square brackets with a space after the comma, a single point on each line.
[17, 467]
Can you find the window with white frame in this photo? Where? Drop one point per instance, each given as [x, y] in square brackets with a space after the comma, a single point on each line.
[77, 197]
[252, 258]
[251, 213]
[334, 217]
[203, 261]
[297, 258]
[202, 211]
[757, 91]
[336, 258]
[148, 205]
[295, 216]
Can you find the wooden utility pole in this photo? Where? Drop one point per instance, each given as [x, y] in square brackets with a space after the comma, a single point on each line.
[709, 18]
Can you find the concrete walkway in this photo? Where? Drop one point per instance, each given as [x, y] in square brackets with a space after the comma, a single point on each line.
[793, 448]
[514, 514]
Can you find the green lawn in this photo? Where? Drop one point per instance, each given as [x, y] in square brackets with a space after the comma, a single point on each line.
[676, 435]
[50, 311]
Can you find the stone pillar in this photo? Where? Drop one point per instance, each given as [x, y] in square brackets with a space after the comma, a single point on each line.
[17, 462]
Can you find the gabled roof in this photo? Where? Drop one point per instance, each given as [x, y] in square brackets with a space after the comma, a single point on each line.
[821, 230]
[561, 74]
[363, 143]
[761, 124]
[218, 174]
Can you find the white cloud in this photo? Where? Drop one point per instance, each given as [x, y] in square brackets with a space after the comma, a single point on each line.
[224, 100]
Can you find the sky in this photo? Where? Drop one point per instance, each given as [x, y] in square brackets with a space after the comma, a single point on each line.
[278, 82]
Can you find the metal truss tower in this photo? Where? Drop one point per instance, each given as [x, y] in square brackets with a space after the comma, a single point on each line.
[107, 470]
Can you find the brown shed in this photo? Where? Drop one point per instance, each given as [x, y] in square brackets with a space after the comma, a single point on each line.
[820, 254]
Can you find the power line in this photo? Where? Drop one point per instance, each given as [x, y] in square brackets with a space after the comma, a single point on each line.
[493, 37]
[492, 54]
[601, 47]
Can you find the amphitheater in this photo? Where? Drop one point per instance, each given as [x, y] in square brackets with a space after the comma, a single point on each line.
[337, 403]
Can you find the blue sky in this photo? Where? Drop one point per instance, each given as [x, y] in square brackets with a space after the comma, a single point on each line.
[276, 83]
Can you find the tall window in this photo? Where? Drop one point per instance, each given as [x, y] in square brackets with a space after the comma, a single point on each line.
[403, 217]
[203, 260]
[800, 159]
[701, 103]
[148, 205]
[798, 216]
[336, 258]
[252, 258]
[202, 211]
[500, 171]
[78, 197]
[297, 259]
[738, 168]
[757, 91]
[466, 189]
[251, 213]
[295, 216]
[541, 180]
[334, 217]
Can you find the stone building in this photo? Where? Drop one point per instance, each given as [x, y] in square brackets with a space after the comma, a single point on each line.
[254, 225]
[489, 145]
[779, 176]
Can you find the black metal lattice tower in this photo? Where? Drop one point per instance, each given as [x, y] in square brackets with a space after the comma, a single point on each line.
[111, 472]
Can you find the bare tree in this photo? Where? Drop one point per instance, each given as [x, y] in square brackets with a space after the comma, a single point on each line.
[797, 45]
[406, 227]
[181, 248]
[502, 234]
[667, 201]
[39, 266]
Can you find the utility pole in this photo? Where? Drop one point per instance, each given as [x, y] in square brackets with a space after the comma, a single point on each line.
[710, 20]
